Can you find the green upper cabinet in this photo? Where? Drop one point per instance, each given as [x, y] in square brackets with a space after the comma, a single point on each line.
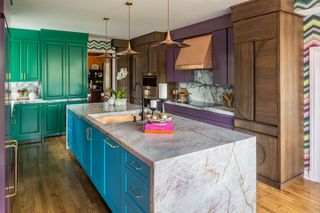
[24, 55]
[32, 58]
[16, 60]
[64, 64]
[77, 70]
[54, 74]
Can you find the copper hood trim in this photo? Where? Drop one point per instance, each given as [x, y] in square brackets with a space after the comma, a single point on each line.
[198, 56]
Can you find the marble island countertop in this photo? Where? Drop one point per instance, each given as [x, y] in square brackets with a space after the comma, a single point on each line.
[189, 135]
[205, 107]
[200, 168]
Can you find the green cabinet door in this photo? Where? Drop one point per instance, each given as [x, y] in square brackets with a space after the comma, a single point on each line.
[28, 123]
[77, 73]
[16, 48]
[53, 78]
[52, 119]
[32, 60]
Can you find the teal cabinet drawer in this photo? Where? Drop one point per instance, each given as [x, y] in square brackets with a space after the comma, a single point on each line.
[130, 207]
[137, 191]
[136, 165]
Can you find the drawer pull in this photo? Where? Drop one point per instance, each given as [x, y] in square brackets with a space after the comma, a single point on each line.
[134, 192]
[135, 166]
[109, 144]
[88, 135]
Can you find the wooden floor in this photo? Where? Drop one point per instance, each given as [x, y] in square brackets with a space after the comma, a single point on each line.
[51, 180]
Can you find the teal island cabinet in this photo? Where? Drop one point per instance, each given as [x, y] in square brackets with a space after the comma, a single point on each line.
[120, 178]
[200, 168]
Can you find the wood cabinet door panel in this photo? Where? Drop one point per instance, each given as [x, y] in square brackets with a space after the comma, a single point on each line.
[267, 155]
[244, 85]
[266, 83]
[153, 60]
[258, 28]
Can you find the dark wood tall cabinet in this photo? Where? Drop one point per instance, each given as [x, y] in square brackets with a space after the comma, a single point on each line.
[268, 85]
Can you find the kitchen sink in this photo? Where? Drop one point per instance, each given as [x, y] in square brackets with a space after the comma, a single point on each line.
[117, 117]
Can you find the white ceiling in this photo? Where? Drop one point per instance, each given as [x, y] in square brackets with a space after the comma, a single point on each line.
[86, 15]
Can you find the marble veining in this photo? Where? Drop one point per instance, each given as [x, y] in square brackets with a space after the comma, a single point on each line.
[203, 88]
[200, 168]
[221, 179]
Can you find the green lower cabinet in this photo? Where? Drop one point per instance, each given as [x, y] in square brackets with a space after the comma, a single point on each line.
[52, 119]
[26, 123]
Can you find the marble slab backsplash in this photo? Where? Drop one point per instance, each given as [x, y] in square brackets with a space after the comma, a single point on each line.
[204, 90]
[30, 86]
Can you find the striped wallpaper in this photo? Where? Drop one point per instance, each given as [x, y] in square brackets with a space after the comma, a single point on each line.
[311, 39]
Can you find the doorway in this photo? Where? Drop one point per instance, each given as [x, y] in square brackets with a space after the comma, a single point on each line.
[100, 75]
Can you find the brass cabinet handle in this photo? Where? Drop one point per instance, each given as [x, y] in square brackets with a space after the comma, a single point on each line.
[109, 144]
[135, 166]
[134, 192]
[13, 144]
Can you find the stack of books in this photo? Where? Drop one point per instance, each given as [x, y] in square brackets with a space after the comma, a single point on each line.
[159, 128]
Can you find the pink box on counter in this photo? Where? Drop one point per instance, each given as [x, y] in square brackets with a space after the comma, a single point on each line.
[159, 128]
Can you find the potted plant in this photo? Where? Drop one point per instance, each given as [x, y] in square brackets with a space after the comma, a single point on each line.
[119, 95]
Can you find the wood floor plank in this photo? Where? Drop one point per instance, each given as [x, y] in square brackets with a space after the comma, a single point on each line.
[51, 180]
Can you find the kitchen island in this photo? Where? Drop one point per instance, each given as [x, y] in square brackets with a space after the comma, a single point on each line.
[200, 168]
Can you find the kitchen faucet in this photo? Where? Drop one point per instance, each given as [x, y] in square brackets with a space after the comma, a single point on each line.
[142, 99]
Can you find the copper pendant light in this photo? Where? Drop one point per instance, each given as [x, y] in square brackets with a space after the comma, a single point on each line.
[129, 51]
[107, 54]
[168, 42]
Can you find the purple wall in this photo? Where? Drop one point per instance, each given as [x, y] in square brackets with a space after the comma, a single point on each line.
[2, 118]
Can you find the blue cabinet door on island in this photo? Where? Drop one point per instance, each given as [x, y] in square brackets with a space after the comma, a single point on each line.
[113, 174]
[97, 161]
[86, 139]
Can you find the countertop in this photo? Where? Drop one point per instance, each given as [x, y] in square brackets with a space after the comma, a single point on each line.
[189, 137]
[39, 101]
[206, 107]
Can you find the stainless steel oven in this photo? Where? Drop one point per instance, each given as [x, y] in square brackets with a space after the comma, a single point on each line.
[150, 85]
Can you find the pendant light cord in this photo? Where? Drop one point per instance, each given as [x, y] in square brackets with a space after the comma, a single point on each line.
[168, 26]
[129, 19]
